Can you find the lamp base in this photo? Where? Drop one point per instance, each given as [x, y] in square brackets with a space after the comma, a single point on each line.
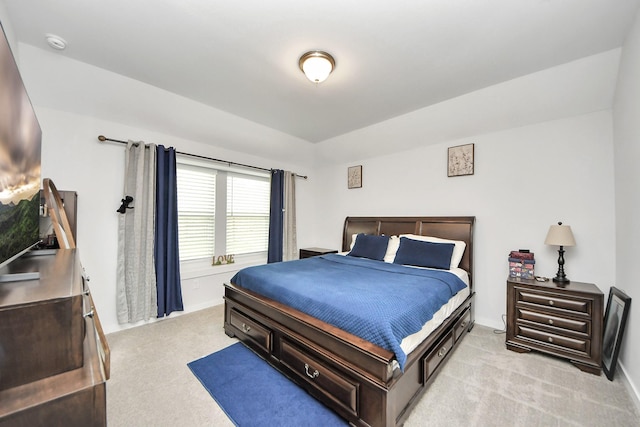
[561, 278]
[561, 281]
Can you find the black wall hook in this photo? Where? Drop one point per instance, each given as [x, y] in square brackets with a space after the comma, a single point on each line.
[125, 204]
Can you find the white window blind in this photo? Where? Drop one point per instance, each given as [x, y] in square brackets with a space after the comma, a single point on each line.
[196, 211]
[247, 213]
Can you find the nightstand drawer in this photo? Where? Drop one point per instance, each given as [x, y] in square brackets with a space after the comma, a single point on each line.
[577, 305]
[546, 338]
[581, 326]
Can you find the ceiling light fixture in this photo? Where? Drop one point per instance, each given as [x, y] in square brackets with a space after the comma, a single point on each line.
[317, 65]
[56, 42]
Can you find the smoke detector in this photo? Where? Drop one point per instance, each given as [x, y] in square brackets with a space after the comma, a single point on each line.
[56, 42]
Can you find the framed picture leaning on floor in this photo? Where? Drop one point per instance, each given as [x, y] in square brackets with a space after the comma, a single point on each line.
[614, 321]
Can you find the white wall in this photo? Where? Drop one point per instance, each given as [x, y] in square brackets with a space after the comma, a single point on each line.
[525, 179]
[627, 177]
[74, 159]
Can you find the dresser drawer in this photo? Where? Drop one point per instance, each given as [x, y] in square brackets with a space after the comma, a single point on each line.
[578, 306]
[581, 346]
[437, 355]
[329, 382]
[580, 326]
[252, 329]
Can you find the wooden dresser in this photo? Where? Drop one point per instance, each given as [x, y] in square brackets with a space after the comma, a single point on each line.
[561, 321]
[54, 359]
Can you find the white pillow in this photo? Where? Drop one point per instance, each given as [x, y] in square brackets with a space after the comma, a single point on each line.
[458, 249]
[353, 240]
[392, 247]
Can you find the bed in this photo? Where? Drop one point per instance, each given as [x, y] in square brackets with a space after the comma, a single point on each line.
[365, 383]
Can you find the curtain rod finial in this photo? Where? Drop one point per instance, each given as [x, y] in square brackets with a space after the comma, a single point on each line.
[102, 138]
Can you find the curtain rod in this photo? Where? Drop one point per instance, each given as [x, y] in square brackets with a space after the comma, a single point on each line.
[103, 138]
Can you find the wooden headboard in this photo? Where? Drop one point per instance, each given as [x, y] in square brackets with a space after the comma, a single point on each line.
[445, 227]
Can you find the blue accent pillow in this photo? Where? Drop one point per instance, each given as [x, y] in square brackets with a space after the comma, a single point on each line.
[424, 254]
[370, 246]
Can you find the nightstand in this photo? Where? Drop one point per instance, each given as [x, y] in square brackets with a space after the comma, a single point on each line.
[309, 252]
[561, 321]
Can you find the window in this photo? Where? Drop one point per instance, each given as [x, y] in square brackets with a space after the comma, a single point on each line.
[196, 211]
[247, 214]
[207, 191]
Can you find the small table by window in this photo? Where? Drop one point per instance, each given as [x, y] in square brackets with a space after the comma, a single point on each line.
[309, 252]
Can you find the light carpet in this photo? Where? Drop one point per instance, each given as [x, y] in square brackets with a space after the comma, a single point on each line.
[483, 384]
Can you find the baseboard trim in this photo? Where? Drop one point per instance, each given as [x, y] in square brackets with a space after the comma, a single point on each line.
[187, 310]
[633, 390]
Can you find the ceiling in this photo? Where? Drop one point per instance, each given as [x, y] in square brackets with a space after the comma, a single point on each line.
[392, 57]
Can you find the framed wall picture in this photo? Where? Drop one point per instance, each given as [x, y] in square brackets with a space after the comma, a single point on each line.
[615, 320]
[354, 176]
[460, 160]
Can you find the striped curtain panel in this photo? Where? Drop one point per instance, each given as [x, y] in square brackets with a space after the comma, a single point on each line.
[289, 239]
[136, 275]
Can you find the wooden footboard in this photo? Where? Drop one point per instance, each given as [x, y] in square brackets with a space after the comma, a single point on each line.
[350, 375]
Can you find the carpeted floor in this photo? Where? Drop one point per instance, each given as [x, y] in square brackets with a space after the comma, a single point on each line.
[482, 385]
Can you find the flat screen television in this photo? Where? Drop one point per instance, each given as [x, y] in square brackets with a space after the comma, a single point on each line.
[20, 142]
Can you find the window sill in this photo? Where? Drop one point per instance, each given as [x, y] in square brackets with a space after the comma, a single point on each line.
[203, 267]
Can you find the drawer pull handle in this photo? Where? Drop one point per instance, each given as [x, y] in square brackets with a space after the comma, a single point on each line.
[463, 324]
[246, 328]
[550, 339]
[550, 302]
[89, 314]
[551, 321]
[442, 352]
[309, 374]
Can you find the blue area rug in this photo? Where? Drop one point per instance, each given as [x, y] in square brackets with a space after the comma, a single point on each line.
[254, 394]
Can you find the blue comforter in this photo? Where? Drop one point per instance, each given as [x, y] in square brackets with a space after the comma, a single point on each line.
[380, 302]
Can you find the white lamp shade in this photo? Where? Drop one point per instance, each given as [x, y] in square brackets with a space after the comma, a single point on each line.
[560, 235]
[317, 65]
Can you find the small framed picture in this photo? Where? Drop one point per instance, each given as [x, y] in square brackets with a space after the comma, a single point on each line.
[354, 176]
[460, 160]
[615, 319]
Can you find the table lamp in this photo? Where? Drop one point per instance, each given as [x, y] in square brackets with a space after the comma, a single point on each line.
[560, 235]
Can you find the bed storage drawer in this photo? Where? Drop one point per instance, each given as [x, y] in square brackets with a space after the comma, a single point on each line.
[330, 383]
[462, 325]
[437, 355]
[252, 329]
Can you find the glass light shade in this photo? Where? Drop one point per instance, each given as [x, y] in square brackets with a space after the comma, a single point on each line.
[560, 235]
[317, 65]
